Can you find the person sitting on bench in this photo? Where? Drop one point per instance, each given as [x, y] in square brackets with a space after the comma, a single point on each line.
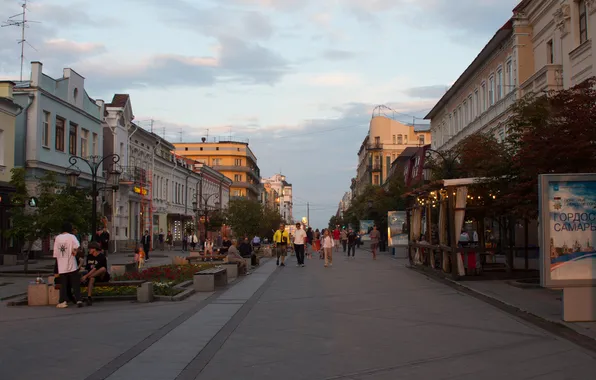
[233, 256]
[97, 269]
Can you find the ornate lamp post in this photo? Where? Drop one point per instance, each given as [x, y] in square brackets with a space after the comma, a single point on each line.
[202, 209]
[94, 163]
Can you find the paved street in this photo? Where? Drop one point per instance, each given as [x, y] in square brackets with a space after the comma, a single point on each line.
[360, 319]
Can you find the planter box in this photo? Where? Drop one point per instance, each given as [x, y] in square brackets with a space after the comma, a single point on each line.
[37, 295]
[9, 260]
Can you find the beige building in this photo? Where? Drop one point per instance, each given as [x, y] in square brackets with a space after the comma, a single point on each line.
[481, 97]
[385, 141]
[546, 45]
[561, 40]
[8, 112]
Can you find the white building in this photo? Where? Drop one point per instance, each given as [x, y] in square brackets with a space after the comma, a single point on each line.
[284, 189]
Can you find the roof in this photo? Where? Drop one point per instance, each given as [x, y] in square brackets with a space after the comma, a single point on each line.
[500, 36]
[119, 100]
[409, 152]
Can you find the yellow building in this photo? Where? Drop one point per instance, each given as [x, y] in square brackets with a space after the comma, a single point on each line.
[385, 141]
[234, 159]
[8, 112]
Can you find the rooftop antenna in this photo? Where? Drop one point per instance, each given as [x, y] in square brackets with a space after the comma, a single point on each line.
[207, 137]
[230, 133]
[22, 23]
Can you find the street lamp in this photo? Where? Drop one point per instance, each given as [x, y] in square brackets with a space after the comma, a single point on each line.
[94, 162]
[203, 208]
[450, 167]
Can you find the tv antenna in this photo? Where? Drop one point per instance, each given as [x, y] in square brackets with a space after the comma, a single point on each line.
[20, 20]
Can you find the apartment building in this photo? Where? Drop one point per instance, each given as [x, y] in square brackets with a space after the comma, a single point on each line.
[385, 141]
[270, 197]
[280, 185]
[234, 159]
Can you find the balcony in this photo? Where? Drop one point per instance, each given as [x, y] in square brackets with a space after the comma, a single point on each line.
[550, 77]
[374, 146]
[233, 168]
[247, 185]
[375, 167]
[133, 174]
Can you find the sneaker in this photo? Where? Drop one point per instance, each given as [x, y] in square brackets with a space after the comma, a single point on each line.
[277, 262]
[282, 265]
[62, 305]
[302, 265]
[325, 265]
[79, 303]
[89, 301]
[297, 265]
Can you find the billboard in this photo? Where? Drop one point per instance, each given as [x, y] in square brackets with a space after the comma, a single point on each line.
[567, 229]
[365, 227]
[396, 223]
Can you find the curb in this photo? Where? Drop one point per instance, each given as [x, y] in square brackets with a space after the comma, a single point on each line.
[556, 328]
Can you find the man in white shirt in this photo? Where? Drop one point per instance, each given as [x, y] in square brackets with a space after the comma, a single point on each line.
[65, 252]
[299, 240]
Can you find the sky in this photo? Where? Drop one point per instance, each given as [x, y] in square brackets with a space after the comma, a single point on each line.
[298, 78]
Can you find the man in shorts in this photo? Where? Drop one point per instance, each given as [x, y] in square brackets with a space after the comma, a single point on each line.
[281, 239]
[97, 269]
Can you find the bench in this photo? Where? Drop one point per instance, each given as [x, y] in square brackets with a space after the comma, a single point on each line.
[119, 269]
[115, 284]
[191, 259]
[144, 291]
[207, 279]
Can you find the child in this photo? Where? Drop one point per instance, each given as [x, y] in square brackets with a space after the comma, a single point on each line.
[140, 257]
[209, 248]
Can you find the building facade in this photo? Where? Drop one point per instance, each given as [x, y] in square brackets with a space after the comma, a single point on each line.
[8, 113]
[279, 184]
[561, 40]
[270, 197]
[59, 120]
[385, 141]
[234, 159]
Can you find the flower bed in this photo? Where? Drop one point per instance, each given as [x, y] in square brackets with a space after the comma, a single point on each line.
[164, 279]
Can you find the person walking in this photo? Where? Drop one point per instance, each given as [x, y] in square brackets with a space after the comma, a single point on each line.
[374, 235]
[209, 249]
[170, 241]
[344, 239]
[281, 239]
[161, 238]
[309, 242]
[299, 243]
[317, 238]
[193, 241]
[65, 252]
[336, 237]
[146, 242]
[352, 241]
[328, 244]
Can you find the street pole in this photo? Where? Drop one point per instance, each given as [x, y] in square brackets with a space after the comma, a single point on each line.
[94, 206]
[307, 214]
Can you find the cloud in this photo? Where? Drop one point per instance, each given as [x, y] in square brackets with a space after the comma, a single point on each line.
[338, 54]
[427, 92]
[72, 15]
[334, 79]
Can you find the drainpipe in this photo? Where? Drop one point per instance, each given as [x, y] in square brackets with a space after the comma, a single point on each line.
[128, 148]
[26, 115]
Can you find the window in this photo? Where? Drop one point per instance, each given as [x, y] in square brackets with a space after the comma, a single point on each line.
[84, 142]
[477, 102]
[377, 140]
[550, 52]
[45, 132]
[455, 123]
[238, 162]
[470, 109]
[60, 134]
[499, 84]
[509, 72]
[1, 147]
[583, 22]
[237, 193]
[465, 115]
[216, 161]
[238, 177]
[95, 147]
[491, 91]
[72, 139]
[405, 139]
[501, 135]
[399, 139]
[460, 119]
[121, 150]
[376, 179]
[484, 97]
[394, 140]
[421, 139]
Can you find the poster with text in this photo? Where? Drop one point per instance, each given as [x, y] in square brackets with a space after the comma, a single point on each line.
[396, 222]
[569, 223]
[365, 227]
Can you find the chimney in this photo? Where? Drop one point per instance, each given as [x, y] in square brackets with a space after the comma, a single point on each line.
[36, 72]
[101, 104]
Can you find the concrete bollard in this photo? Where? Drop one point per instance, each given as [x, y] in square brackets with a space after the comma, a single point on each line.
[203, 283]
[53, 295]
[37, 295]
[145, 292]
[9, 260]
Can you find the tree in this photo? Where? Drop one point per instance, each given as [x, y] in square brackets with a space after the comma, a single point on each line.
[244, 216]
[270, 221]
[55, 206]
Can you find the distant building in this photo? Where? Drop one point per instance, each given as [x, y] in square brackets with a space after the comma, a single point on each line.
[232, 158]
[386, 139]
[270, 197]
[284, 190]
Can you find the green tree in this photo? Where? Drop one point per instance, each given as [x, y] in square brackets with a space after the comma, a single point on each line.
[270, 221]
[55, 206]
[244, 216]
